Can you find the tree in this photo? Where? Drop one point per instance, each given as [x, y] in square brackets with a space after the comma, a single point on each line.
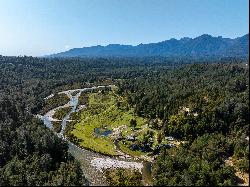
[133, 123]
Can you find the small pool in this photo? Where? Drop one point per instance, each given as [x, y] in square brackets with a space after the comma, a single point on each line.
[102, 131]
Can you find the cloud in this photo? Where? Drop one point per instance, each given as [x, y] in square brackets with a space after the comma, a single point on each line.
[66, 47]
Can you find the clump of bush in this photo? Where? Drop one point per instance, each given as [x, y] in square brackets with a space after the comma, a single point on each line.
[123, 177]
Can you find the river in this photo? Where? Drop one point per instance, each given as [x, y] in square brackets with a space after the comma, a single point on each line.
[91, 162]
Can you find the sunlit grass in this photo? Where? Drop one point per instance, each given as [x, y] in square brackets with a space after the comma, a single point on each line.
[125, 149]
[102, 112]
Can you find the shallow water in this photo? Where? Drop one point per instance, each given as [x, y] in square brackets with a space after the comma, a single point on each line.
[147, 173]
[73, 103]
[92, 174]
[102, 132]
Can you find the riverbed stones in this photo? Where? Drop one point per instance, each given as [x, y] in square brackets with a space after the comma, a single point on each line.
[107, 163]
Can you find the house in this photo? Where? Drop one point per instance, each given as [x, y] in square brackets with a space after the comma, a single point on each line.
[130, 138]
[169, 138]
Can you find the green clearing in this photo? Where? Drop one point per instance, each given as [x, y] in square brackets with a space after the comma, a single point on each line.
[125, 149]
[105, 110]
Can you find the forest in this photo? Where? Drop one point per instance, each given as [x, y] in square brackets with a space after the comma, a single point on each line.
[202, 103]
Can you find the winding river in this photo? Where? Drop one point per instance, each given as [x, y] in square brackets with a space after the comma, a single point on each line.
[92, 163]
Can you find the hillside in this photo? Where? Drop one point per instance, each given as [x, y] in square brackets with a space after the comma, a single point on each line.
[202, 46]
[188, 121]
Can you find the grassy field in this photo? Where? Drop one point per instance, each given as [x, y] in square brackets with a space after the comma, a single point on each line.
[104, 112]
[125, 149]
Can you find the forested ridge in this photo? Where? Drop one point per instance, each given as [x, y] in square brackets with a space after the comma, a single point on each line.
[30, 153]
[204, 104]
[216, 94]
[201, 46]
[208, 106]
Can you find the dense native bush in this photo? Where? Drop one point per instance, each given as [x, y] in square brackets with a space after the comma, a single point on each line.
[192, 100]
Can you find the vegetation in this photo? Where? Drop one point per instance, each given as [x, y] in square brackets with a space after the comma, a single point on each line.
[241, 152]
[26, 159]
[205, 103]
[57, 127]
[192, 101]
[243, 165]
[126, 149]
[133, 123]
[53, 102]
[102, 112]
[200, 163]
[61, 113]
[83, 99]
[123, 177]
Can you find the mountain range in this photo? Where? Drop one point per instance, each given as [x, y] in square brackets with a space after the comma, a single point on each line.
[202, 46]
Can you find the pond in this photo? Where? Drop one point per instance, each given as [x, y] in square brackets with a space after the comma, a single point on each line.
[102, 131]
[93, 175]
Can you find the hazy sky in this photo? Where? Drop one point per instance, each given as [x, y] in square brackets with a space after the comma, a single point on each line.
[39, 27]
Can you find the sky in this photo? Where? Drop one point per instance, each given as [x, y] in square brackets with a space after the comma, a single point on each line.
[42, 27]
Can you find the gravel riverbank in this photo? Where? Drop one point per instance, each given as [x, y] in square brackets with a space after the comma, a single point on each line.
[92, 163]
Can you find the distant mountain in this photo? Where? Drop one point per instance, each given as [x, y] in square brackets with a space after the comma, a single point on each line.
[202, 46]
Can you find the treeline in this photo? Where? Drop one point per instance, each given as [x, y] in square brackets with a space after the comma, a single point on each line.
[207, 105]
[201, 164]
[30, 154]
[192, 101]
